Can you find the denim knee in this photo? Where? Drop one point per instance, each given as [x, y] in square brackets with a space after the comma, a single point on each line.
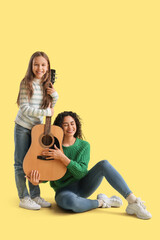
[103, 163]
[68, 202]
[73, 204]
[18, 169]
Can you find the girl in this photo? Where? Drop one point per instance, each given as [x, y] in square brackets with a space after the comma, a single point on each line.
[36, 99]
[77, 184]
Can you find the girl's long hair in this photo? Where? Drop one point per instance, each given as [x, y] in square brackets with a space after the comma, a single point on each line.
[28, 79]
[59, 121]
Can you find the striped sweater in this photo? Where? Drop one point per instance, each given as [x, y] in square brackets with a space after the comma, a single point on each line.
[30, 112]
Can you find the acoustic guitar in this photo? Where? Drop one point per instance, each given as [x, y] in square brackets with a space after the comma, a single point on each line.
[44, 136]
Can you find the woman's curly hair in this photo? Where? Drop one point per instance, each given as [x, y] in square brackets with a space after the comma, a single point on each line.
[59, 121]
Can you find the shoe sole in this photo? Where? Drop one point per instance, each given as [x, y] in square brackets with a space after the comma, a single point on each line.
[131, 212]
[38, 208]
[45, 206]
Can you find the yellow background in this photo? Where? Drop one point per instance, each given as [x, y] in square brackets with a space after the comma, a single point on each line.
[106, 54]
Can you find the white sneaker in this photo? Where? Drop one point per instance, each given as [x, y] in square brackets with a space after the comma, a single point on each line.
[138, 209]
[42, 202]
[113, 201]
[28, 203]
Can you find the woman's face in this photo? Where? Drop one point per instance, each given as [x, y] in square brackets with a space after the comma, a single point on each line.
[69, 126]
[39, 66]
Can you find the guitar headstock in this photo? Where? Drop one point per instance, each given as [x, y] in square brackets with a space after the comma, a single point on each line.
[53, 76]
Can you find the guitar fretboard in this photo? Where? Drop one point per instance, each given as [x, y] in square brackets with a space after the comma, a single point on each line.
[47, 126]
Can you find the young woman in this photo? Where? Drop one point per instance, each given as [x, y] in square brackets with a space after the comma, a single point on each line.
[78, 183]
[36, 99]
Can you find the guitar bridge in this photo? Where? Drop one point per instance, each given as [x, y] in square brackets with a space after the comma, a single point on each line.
[44, 158]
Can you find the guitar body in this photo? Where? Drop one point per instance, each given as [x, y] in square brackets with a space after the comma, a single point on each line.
[49, 170]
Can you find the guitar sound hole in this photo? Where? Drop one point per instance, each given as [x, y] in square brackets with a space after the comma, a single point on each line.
[47, 140]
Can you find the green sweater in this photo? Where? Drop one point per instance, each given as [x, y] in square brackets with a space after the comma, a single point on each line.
[79, 154]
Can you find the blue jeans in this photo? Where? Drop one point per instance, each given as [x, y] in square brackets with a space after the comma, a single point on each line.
[22, 139]
[74, 196]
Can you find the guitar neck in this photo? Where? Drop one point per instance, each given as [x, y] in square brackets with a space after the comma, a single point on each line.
[47, 126]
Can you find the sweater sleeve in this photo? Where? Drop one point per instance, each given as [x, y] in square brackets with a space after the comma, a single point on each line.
[27, 109]
[54, 98]
[78, 168]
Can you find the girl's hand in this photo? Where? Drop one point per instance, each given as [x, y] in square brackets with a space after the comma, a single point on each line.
[56, 154]
[52, 109]
[50, 89]
[34, 177]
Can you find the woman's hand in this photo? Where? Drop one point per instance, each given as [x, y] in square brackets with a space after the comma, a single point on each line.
[56, 154]
[34, 177]
[50, 89]
[53, 153]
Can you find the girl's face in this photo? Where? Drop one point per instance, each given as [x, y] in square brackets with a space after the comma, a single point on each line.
[69, 126]
[39, 66]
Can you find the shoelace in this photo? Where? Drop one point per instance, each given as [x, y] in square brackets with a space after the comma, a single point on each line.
[105, 205]
[30, 201]
[115, 200]
[141, 203]
[112, 199]
[41, 200]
